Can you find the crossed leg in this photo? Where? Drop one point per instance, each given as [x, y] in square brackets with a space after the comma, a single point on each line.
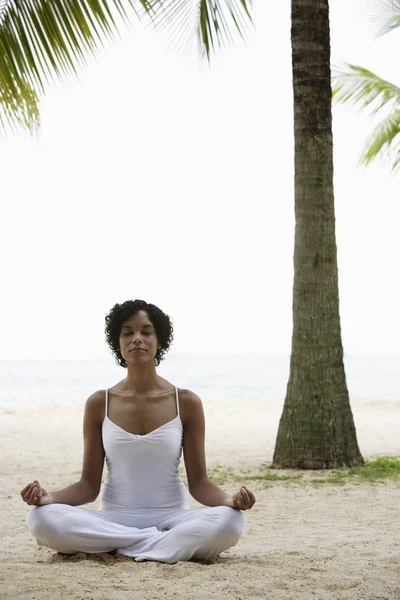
[196, 533]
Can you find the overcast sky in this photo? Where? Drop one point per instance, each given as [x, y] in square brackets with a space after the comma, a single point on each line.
[158, 178]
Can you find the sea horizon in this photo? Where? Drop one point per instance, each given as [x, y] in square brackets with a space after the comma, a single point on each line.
[212, 376]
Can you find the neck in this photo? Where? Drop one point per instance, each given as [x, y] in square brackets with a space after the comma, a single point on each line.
[141, 378]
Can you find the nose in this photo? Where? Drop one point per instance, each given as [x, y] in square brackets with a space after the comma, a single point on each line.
[137, 338]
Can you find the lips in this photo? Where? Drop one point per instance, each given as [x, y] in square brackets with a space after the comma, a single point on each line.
[138, 350]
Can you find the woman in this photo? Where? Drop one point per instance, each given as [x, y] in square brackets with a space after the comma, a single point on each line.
[140, 427]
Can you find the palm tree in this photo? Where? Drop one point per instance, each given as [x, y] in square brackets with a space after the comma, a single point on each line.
[366, 90]
[42, 40]
[46, 38]
[316, 429]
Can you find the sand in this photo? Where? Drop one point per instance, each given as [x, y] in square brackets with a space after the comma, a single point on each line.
[302, 542]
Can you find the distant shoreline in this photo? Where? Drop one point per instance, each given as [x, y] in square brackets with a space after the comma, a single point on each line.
[228, 377]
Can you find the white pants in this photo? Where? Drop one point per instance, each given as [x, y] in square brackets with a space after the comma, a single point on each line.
[162, 534]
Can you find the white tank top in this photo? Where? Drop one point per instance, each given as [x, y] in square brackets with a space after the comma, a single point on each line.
[143, 470]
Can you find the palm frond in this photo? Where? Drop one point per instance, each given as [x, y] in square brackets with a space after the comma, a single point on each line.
[211, 22]
[360, 87]
[386, 13]
[384, 142]
[19, 111]
[42, 40]
[3, 4]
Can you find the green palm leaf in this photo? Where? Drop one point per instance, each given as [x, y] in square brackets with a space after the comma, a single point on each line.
[360, 87]
[19, 111]
[211, 22]
[384, 141]
[387, 12]
[363, 88]
[42, 40]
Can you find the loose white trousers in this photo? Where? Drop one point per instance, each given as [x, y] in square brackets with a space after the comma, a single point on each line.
[164, 534]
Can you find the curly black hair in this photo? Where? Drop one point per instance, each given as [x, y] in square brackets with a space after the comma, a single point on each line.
[122, 312]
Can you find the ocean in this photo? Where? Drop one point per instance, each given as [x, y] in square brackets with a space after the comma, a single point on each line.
[218, 377]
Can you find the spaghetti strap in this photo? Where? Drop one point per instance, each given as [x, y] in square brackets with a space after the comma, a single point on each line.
[177, 401]
[107, 403]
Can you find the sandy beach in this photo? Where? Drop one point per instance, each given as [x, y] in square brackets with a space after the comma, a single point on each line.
[302, 541]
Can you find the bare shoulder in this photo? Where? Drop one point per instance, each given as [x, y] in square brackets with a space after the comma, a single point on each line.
[191, 406]
[189, 398]
[95, 405]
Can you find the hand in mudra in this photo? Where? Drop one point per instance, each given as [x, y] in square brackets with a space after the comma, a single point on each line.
[243, 500]
[34, 494]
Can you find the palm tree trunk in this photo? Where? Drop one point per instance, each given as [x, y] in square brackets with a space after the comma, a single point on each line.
[316, 430]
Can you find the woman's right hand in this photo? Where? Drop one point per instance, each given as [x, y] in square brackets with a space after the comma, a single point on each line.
[35, 495]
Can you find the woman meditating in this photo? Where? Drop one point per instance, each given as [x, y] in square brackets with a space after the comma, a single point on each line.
[140, 427]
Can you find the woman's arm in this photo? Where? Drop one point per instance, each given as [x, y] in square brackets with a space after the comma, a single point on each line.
[88, 487]
[200, 487]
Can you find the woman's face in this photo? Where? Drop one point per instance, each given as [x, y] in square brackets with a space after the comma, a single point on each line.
[138, 340]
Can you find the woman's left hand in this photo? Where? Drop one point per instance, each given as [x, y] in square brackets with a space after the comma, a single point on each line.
[243, 500]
